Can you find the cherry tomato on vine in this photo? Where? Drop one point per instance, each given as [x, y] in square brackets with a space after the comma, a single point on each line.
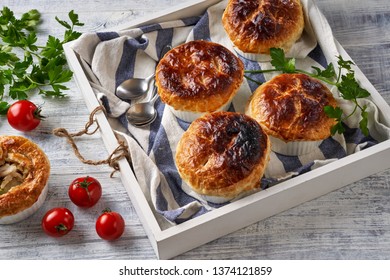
[85, 191]
[24, 115]
[57, 222]
[110, 225]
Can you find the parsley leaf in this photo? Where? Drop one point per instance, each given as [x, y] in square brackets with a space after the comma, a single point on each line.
[53, 47]
[70, 34]
[327, 73]
[3, 107]
[345, 64]
[363, 124]
[63, 23]
[30, 20]
[280, 62]
[350, 89]
[26, 67]
[335, 113]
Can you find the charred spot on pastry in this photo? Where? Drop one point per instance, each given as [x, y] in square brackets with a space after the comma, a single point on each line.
[244, 11]
[237, 139]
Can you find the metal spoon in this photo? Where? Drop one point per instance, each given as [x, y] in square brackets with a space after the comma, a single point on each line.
[144, 113]
[134, 88]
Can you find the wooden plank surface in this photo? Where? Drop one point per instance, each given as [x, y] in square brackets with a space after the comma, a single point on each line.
[352, 223]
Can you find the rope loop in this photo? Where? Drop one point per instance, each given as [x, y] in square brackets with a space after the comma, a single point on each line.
[120, 152]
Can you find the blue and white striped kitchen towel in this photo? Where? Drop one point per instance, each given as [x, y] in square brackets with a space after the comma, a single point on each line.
[111, 57]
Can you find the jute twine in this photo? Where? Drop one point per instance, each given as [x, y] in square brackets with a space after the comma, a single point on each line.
[120, 152]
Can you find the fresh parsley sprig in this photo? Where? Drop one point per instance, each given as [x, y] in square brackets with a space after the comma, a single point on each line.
[26, 67]
[347, 85]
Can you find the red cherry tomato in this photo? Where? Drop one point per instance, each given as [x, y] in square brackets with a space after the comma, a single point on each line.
[110, 225]
[24, 115]
[85, 191]
[57, 222]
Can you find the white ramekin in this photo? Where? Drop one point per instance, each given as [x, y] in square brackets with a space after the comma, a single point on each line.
[204, 198]
[189, 116]
[293, 148]
[26, 212]
[259, 57]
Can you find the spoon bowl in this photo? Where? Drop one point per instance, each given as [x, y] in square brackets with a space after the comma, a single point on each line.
[135, 88]
[143, 113]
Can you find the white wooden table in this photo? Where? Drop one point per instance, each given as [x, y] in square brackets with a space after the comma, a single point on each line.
[352, 223]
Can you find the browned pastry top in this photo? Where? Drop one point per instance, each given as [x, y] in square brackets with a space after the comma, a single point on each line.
[24, 172]
[198, 76]
[291, 107]
[255, 26]
[223, 154]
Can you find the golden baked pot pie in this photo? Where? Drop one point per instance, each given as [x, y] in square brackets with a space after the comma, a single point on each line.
[198, 77]
[222, 156]
[290, 108]
[24, 173]
[255, 26]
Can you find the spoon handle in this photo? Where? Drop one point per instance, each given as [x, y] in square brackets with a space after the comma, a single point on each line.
[154, 97]
[149, 78]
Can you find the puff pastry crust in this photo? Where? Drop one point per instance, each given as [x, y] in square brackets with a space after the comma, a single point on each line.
[198, 76]
[24, 172]
[291, 107]
[223, 154]
[255, 26]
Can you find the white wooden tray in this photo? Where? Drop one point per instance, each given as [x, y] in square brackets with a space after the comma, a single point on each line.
[178, 239]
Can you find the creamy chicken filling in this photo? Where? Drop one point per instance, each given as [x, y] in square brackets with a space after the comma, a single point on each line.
[12, 172]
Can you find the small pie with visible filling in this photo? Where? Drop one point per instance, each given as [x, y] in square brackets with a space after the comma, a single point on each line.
[24, 174]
